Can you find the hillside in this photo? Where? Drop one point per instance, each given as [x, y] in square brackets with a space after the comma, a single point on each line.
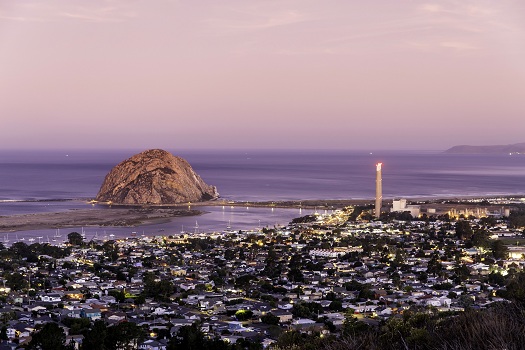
[495, 149]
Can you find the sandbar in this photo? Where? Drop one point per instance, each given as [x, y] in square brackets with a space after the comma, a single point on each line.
[127, 217]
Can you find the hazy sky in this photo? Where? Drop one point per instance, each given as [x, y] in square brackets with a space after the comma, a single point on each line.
[261, 74]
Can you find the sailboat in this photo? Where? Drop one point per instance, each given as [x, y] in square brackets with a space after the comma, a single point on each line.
[196, 227]
[229, 228]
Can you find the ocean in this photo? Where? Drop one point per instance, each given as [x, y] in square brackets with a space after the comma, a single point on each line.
[40, 181]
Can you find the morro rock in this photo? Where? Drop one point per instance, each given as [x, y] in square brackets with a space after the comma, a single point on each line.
[154, 177]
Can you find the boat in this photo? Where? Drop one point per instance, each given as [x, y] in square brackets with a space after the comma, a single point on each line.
[196, 227]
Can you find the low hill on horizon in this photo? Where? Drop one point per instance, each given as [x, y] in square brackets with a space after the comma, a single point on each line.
[494, 149]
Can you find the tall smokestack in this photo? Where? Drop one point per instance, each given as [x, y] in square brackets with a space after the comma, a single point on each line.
[379, 190]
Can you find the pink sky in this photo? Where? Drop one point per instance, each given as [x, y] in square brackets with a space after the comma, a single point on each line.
[261, 74]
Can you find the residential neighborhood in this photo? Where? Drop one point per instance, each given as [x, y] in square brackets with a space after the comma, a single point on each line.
[320, 275]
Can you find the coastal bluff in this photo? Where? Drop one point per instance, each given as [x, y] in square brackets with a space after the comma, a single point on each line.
[518, 148]
[154, 177]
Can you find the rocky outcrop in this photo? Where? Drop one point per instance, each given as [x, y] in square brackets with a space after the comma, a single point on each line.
[465, 149]
[154, 177]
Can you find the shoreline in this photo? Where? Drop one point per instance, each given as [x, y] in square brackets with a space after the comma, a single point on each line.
[320, 203]
[122, 215]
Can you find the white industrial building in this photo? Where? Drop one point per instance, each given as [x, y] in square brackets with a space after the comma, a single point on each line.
[401, 206]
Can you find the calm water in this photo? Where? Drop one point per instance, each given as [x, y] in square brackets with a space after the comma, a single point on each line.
[45, 177]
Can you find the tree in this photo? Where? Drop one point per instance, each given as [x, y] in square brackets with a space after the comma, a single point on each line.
[75, 238]
[16, 281]
[243, 315]
[273, 268]
[165, 288]
[287, 340]
[463, 229]
[497, 278]
[229, 254]
[125, 336]
[244, 280]
[336, 305]
[499, 249]
[295, 275]
[77, 325]
[95, 338]
[270, 318]
[462, 272]
[434, 266]
[160, 290]
[20, 249]
[3, 333]
[480, 238]
[140, 299]
[110, 250]
[119, 295]
[192, 338]
[465, 300]
[353, 326]
[50, 337]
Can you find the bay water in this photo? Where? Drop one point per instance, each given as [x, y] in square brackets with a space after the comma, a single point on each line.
[58, 180]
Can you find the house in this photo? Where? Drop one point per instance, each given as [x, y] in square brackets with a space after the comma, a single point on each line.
[51, 297]
[152, 344]
[284, 316]
[19, 330]
[72, 295]
[75, 313]
[180, 322]
[304, 321]
[115, 316]
[92, 314]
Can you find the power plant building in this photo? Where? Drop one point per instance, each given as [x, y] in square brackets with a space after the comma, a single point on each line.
[401, 206]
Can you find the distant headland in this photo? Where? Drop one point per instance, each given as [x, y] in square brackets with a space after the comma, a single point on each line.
[517, 148]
